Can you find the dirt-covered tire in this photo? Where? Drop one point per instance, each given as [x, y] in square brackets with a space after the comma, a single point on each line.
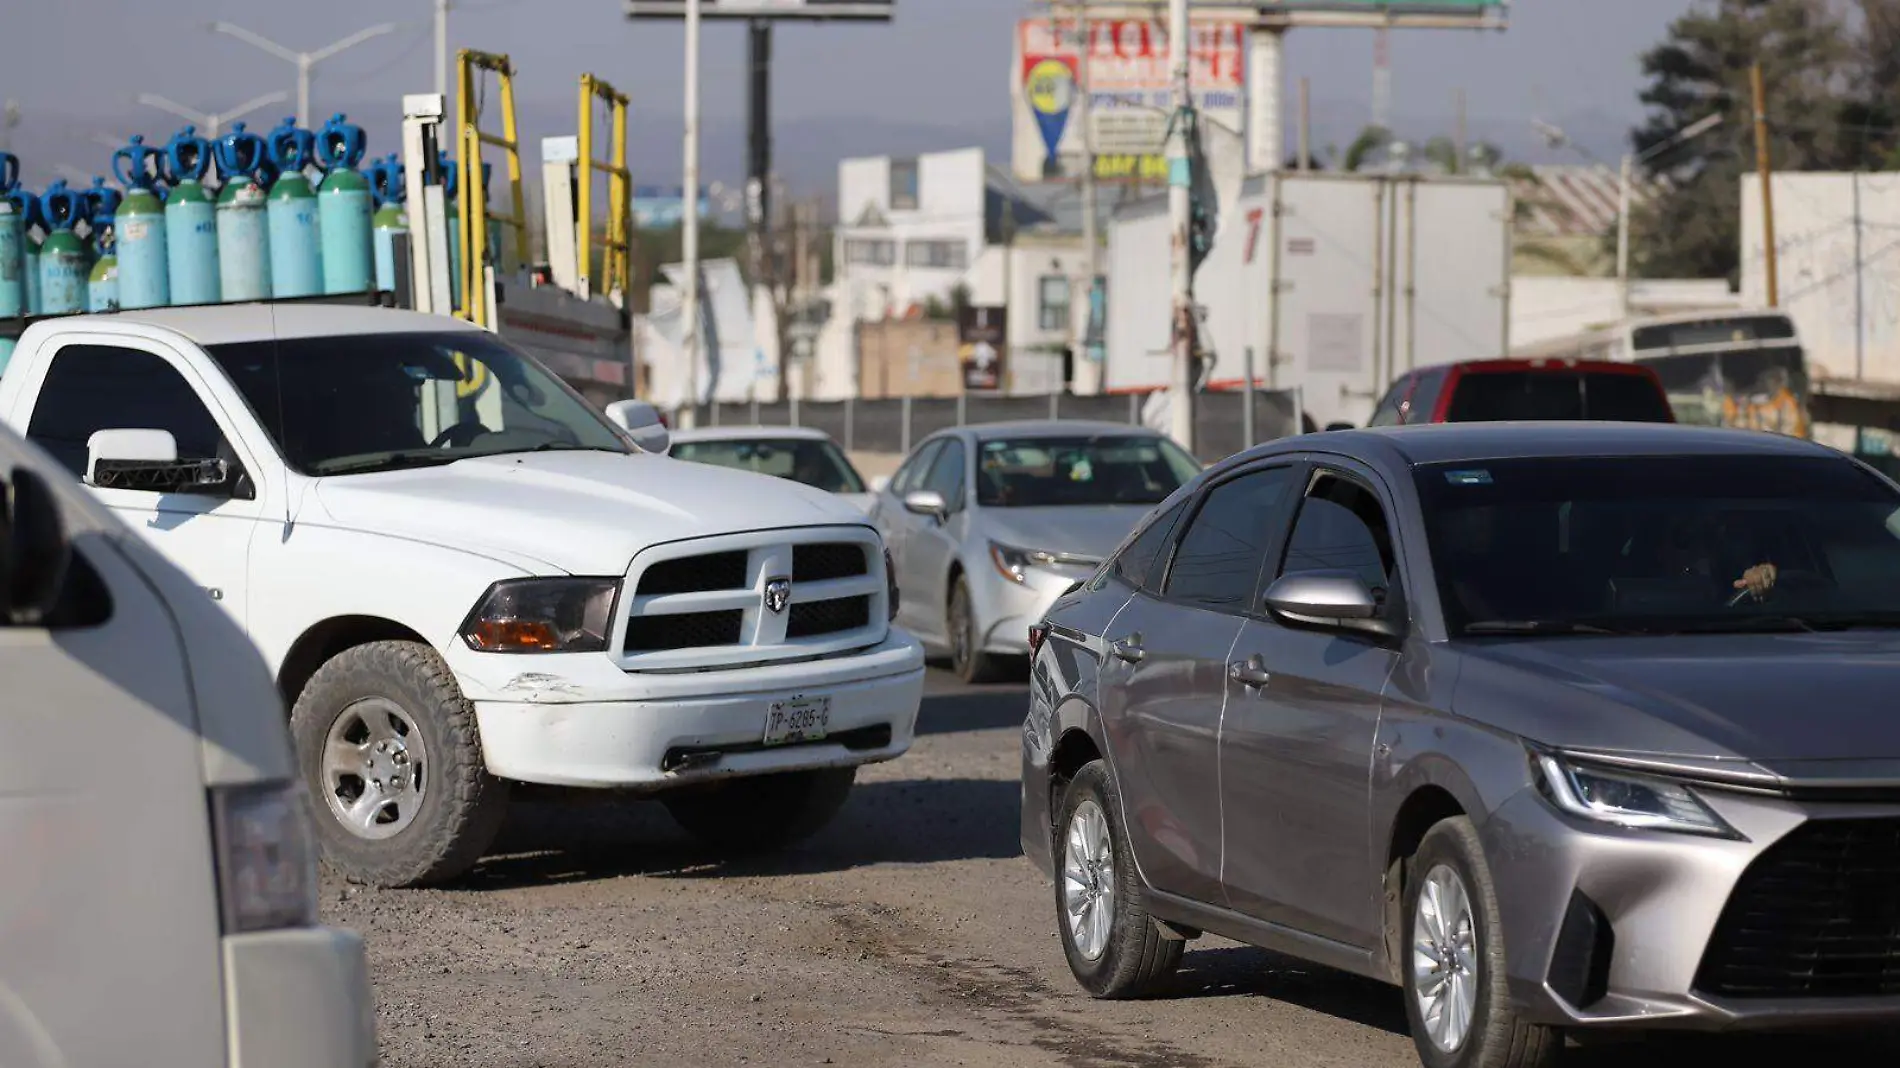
[762, 813]
[398, 704]
[1130, 956]
[1449, 896]
[972, 665]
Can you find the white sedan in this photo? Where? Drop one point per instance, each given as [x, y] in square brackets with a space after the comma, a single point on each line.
[802, 454]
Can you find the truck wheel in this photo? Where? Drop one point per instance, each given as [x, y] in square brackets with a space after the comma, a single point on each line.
[765, 812]
[390, 751]
[974, 666]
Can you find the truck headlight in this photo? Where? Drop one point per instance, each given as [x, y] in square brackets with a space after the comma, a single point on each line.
[543, 615]
[1627, 799]
[1014, 564]
[266, 857]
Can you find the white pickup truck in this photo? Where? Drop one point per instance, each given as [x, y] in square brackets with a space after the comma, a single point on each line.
[463, 576]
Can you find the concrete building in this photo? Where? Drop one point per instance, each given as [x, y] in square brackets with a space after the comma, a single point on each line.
[917, 235]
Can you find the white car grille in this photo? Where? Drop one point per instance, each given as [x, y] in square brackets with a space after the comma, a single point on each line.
[738, 599]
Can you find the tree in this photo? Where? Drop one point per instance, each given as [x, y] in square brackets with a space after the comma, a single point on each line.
[1702, 67]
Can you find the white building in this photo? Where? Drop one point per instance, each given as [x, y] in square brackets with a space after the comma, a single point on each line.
[912, 230]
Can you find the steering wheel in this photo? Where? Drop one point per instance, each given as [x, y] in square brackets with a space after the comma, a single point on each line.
[459, 435]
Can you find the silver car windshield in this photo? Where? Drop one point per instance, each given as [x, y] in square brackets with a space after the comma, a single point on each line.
[1040, 472]
[378, 402]
[811, 461]
[1661, 544]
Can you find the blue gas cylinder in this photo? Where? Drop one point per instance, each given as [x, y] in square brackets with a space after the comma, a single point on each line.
[296, 267]
[102, 284]
[64, 260]
[144, 277]
[13, 226]
[243, 227]
[191, 229]
[345, 206]
[388, 186]
[28, 206]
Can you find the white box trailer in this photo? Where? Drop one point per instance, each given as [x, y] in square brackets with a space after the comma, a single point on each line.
[1332, 284]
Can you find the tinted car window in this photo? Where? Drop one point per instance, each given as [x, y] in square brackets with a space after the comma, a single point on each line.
[1140, 564]
[1625, 398]
[914, 469]
[1387, 413]
[946, 474]
[1424, 401]
[1658, 543]
[1341, 527]
[1509, 395]
[1220, 554]
[103, 387]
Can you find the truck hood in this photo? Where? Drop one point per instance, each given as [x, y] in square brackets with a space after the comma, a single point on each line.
[584, 513]
[1779, 701]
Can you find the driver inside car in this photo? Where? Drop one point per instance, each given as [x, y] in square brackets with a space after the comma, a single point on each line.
[1694, 545]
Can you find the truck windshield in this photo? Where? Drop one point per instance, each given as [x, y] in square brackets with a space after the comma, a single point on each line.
[1042, 472]
[1661, 544]
[377, 402]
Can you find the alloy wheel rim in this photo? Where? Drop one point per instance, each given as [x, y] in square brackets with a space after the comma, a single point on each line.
[374, 765]
[1445, 958]
[1088, 880]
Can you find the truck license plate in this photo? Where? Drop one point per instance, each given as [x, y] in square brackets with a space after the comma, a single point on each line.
[800, 719]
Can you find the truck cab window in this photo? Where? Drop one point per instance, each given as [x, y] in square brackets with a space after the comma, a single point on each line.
[104, 387]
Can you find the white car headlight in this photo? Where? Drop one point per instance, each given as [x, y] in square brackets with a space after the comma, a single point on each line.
[1627, 799]
[266, 856]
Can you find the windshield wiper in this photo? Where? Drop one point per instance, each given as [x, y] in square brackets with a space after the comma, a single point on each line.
[393, 462]
[1542, 626]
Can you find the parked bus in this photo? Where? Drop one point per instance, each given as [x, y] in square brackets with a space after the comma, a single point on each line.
[1740, 369]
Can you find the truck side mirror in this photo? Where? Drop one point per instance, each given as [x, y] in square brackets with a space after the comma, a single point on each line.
[35, 553]
[642, 423]
[148, 460]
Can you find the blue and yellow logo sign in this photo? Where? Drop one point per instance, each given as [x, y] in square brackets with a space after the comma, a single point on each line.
[1050, 89]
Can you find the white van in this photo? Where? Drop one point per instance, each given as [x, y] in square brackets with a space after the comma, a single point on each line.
[158, 899]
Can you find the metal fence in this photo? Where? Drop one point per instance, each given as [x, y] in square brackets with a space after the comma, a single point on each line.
[892, 425]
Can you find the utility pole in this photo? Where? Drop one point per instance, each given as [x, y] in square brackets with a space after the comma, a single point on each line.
[1180, 215]
[689, 235]
[304, 61]
[209, 123]
[1084, 295]
[1306, 124]
[1008, 376]
[1623, 235]
[442, 47]
[1458, 141]
[1763, 164]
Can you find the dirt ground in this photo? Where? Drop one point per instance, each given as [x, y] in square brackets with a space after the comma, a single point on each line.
[909, 933]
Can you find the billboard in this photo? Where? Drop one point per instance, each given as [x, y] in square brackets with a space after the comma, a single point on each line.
[1422, 14]
[1130, 96]
[983, 346]
[795, 10]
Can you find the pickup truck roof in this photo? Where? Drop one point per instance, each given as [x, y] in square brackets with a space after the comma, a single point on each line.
[219, 324]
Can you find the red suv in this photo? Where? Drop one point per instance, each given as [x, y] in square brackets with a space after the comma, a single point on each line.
[1499, 390]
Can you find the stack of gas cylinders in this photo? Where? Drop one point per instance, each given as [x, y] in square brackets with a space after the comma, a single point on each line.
[245, 217]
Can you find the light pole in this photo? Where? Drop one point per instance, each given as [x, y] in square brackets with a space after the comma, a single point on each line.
[211, 122]
[1180, 214]
[689, 235]
[1689, 132]
[304, 61]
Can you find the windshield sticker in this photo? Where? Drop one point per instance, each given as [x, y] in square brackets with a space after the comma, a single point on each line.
[1468, 478]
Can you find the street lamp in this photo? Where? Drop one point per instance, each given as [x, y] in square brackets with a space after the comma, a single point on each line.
[1687, 133]
[303, 60]
[211, 122]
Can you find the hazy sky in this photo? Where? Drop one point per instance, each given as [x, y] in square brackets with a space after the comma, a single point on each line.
[942, 61]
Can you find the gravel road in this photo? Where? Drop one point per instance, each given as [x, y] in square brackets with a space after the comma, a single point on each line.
[909, 933]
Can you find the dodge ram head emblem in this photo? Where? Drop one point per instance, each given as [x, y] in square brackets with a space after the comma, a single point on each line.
[778, 594]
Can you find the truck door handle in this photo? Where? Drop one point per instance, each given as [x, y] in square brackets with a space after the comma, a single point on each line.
[1249, 673]
[1128, 649]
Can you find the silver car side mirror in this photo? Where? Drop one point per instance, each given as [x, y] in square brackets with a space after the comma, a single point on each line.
[1328, 598]
[926, 502]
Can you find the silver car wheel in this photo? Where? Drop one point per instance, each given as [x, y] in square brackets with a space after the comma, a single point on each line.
[373, 768]
[1088, 880]
[1445, 958]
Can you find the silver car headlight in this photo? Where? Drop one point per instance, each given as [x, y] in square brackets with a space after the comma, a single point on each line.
[1626, 799]
[1014, 564]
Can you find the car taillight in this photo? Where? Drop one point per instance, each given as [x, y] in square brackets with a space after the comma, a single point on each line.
[266, 856]
[1037, 632]
[890, 585]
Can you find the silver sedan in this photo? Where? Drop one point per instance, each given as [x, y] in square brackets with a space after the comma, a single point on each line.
[988, 525]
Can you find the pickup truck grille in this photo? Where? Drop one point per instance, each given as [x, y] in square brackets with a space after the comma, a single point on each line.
[740, 599]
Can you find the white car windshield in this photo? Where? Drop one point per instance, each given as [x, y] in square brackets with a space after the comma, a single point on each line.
[813, 461]
[1111, 469]
[377, 402]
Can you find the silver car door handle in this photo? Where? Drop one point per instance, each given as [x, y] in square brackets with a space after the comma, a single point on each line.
[1249, 673]
[1128, 649]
